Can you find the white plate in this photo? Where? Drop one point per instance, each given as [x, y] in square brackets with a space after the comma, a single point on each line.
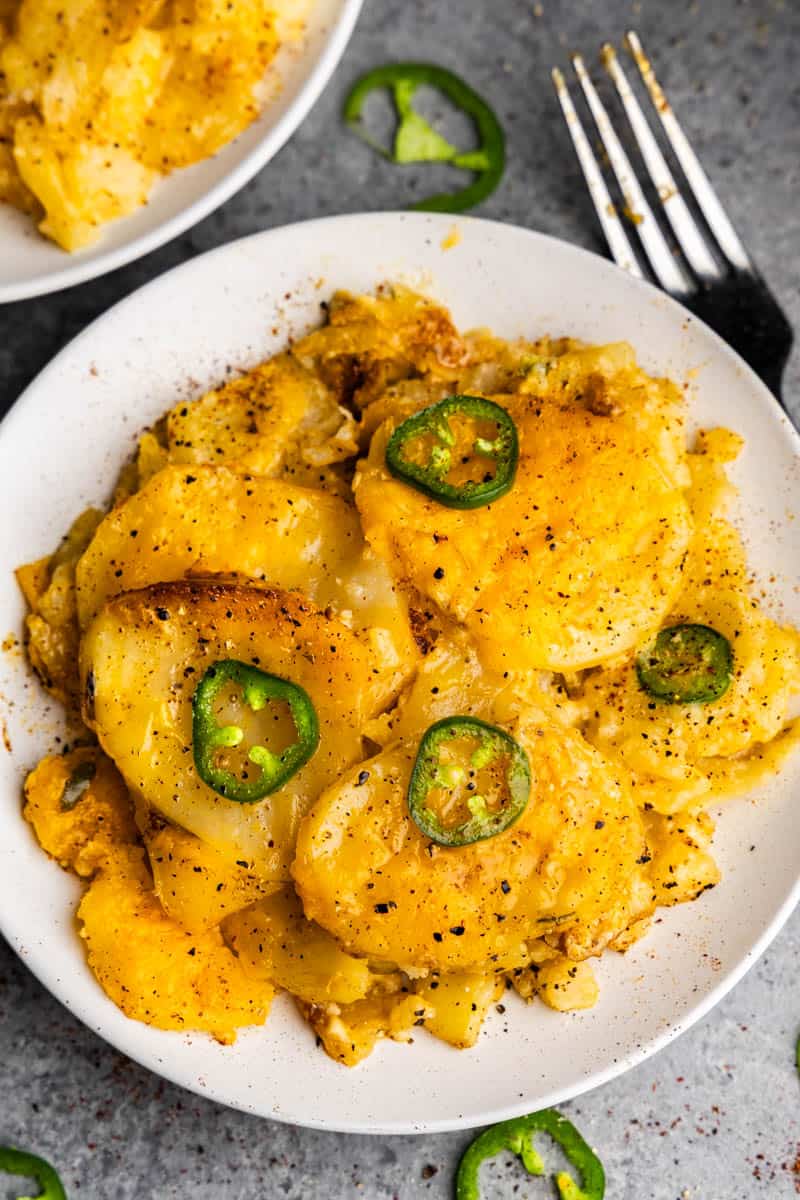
[60, 449]
[31, 265]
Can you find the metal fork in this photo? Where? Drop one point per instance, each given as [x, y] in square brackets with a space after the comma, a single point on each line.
[716, 278]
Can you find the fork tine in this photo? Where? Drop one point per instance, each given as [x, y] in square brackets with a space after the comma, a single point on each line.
[616, 236]
[683, 223]
[712, 210]
[666, 268]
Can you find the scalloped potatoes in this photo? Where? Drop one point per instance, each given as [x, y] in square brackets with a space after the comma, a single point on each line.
[259, 525]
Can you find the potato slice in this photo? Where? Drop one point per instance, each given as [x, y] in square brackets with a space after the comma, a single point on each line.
[79, 809]
[583, 556]
[247, 420]
[141, 660]
[51, 626]
[681, 866]
[367, 874]
[458, 1004]
[277, 420]
[567, 986]
[274, 941]
[155, 970]
[451, 1007]
[350, 1032]
[196, 884]
[13, 190]
[212, 519]
[80, 184]
[219, 52]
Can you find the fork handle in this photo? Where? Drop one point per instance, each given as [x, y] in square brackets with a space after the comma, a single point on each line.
[743, 310]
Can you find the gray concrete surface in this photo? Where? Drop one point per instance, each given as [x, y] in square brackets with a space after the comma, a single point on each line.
[717, 1115]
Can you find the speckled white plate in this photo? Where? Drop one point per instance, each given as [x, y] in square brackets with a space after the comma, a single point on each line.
[60, 449]
[31, 265]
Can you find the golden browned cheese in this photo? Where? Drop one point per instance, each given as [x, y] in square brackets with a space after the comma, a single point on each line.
[582, 558]
[141, 661]
[367, 873]
[99, 99]
[371, 341]
[155, 970]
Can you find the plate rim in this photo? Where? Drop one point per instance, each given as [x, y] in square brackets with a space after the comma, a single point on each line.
[275, 138]
[36, 961]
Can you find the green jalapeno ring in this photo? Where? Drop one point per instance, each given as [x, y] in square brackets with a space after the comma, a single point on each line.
[516, 1135]
[78, 784]
[429, 773]
[403, 79]
[429, 479]
[686, 664]
[208, 735]
[20, 1162]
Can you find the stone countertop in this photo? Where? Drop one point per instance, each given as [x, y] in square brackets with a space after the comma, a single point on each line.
[716, 1116]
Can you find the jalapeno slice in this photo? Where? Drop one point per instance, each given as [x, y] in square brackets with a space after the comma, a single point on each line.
[77, 785]
[686, 664]
[517, 1136]
[19, 1162]
[433, 772]
[443, 450]
[415, 140]
[209, 737]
